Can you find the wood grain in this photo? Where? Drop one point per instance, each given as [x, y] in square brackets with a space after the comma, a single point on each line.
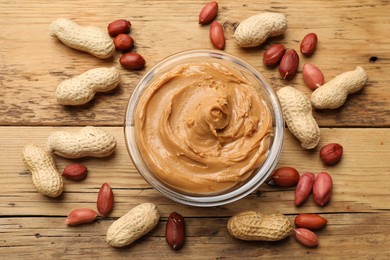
[206, 238]
[32, 63]
[355, 183]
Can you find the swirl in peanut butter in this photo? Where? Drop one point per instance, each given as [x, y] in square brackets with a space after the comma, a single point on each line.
[202, 128]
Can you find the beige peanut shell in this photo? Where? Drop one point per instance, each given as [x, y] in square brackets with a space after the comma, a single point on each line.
[334, 93]
[91, 39]
[256, 29]
[256, 226]
[89, 141]
[45, 177]
[133, 225]
[298, 114]
[82, 88]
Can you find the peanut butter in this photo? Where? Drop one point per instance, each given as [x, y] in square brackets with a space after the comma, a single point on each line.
[202, 128]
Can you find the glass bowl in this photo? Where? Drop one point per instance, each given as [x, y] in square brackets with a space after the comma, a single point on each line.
[257, 177]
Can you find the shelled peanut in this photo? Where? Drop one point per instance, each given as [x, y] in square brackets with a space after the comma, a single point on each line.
[123, 42]
[312, 76]
[75, 172]
[322, 188]
[105, 203]
[105, 200]
[285, 177]
[289, 63]
[120, 26]
[305, 223]
[119, 29]
[81, 216]
[309, 44]
[304, 188]
[208, 13]
[310, 221]
[273, 54]
[306, 237]
[175, 231]
[217, 36]
[216, 33]
[132, 61]
[331, 153]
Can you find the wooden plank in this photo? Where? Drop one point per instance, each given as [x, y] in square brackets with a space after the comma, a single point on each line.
[361, 179]
[353, 235]
[32, 63]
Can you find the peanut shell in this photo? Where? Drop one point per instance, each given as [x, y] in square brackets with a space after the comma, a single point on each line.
[299, 118]
[334, 93]
[89, 141]
[252, 225]
[133, 225]
[255, 30]
[91, 39]
[45, 177]
[81, 89]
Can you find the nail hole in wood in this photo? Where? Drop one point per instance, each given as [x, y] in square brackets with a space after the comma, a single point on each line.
[373, 59]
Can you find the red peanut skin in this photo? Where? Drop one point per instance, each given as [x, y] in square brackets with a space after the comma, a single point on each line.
[132, 61]
[310, 221]
[312, 76]
[105, 201]
[304, 188]
[285, 177]
[174, 231]
[123, 42]
[309, 44]
[331, 154]
[80, 216]
[217, 35]
[75, 172]
[118, 27]
[208, 13]
[306, 237]
[288, 66]
[322, 189]
[273, 54]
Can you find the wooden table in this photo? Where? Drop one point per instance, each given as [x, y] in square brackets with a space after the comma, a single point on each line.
[351, 33]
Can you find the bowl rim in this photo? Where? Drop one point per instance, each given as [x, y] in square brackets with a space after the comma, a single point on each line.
[260, 174]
